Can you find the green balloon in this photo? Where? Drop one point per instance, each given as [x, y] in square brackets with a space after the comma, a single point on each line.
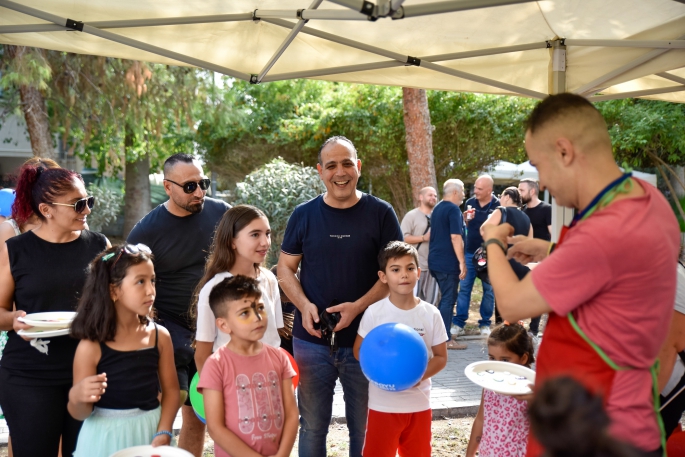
[196, 397]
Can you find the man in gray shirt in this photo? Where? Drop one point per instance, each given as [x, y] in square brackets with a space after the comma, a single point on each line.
[416, 230]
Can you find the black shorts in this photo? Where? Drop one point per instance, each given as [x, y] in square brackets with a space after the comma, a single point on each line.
[184, 354]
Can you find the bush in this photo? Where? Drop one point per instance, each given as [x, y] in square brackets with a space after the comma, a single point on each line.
[108, 203]
[277, 188]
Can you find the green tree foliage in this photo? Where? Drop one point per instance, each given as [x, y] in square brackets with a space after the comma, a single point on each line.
[107, 206]
[277, 188]
[248, 125]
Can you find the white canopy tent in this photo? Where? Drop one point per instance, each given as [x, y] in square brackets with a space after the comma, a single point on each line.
[601, 49]
[621, 48]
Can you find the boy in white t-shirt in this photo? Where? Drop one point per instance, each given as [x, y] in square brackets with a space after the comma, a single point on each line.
[401, 421]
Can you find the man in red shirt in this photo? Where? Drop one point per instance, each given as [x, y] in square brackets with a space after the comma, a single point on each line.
[609, 284]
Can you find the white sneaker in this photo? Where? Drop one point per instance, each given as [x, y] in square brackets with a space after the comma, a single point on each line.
[485, 331]
[457, 331]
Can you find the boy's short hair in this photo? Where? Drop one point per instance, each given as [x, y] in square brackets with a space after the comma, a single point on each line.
[232, 289]
[394, 250]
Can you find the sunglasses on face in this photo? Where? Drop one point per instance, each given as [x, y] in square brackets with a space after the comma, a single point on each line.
[191, 186]
[129, 249]
[80, 205]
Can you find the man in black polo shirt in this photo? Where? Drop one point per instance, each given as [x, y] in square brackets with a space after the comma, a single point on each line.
[179, 232]
[540, 215]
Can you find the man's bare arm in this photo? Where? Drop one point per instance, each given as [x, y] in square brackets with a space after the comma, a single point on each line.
[287, 267]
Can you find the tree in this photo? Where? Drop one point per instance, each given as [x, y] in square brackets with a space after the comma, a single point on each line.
[26, 70]
[419, 132]
[277, 188]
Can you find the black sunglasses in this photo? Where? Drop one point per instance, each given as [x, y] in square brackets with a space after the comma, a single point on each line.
[191, 186]
[79, 206]
[132, 249]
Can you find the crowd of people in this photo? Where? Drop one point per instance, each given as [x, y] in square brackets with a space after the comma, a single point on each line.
[187, 296]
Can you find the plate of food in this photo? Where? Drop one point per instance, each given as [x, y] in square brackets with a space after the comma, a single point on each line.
[501, 377]
[56, 319]
[149, 451]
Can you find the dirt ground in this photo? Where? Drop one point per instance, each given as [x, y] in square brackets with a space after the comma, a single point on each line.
[450, 438]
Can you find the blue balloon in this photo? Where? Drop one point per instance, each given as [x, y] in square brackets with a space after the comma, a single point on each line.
[6, 200]
[393, 357]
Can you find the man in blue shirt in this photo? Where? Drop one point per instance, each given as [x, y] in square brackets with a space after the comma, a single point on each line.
[481, 205]
[446, 255]
[335, 238]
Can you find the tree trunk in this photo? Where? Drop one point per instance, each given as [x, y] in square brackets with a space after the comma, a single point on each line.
[137, 197]
[35, 112]
[419, 135]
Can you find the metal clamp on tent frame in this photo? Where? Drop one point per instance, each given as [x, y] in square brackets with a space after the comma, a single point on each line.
[413, 61]
[74, 25]
[254, 79]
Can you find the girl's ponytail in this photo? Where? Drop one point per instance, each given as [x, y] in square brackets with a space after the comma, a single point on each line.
[22, 208]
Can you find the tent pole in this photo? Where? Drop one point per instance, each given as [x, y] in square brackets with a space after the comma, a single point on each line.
[452, 6]
[74, 25]
[479, 79]
[637, 93]
[256, 79]
[557, 85]
[356, 5]
[336, 15]
[671, 77]
[590, 87]
[394, 63]
[30, 28]
[409, 60]
[663, 44]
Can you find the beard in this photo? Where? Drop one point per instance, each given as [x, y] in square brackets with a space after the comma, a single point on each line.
[192, 208]
[525, 199]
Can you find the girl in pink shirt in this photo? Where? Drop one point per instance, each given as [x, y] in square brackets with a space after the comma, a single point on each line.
[501, 426]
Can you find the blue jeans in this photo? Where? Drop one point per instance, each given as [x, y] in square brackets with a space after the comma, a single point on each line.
[448, 284]
[487, 304]
[318, 373]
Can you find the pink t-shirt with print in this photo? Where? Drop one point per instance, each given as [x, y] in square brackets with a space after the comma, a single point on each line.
[616, 272]
[253, 400]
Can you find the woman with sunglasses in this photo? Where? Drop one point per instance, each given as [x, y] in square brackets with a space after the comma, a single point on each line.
[41, 270]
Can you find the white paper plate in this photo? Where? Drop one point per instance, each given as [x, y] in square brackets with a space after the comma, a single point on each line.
[149, 451]
[37, 332]
[56, 319]
[501, 377]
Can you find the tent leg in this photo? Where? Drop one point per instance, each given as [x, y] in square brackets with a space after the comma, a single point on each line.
[557, 85]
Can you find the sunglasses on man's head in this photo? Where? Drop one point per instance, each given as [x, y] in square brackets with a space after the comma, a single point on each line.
[80, 205]
[191, 186]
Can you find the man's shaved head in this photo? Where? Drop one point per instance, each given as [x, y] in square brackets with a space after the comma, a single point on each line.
[572, 117]
[425, 190]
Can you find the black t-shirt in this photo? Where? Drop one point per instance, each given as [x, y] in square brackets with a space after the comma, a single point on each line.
[339, 249]
[518, 219]
[541, 218]
[180, 246]
[473, 238]
[47, 277]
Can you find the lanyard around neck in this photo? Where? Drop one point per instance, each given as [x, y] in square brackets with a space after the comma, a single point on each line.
[621, 185]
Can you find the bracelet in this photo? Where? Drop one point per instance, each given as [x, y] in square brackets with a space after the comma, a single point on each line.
[497, 242]
[163, 432]
[551, 248]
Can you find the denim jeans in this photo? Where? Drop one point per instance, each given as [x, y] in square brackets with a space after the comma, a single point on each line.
[448, 284]
[487, 304]
[318, 373]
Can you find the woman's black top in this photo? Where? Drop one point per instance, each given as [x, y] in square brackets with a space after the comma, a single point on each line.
[47, 277]
[521, 223]
[132, 380]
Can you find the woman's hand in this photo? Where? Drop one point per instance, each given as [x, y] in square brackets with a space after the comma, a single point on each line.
[89, 390]
[19, 325]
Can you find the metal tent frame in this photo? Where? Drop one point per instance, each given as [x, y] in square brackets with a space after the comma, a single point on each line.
[364, 10]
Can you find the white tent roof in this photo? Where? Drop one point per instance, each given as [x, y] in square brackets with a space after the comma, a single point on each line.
[619, 47]
[505, 172]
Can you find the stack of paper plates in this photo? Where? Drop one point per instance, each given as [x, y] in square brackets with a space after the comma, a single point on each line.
[149, 451]
[46, 325]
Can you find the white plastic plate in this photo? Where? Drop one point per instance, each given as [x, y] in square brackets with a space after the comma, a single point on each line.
[149, 451]
[56, 319]
[37, 332]
[501, 377]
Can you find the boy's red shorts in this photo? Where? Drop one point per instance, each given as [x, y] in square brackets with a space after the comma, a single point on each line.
[390, 433]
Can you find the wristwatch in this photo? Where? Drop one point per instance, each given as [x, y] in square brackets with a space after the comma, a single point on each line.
[497, 242]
